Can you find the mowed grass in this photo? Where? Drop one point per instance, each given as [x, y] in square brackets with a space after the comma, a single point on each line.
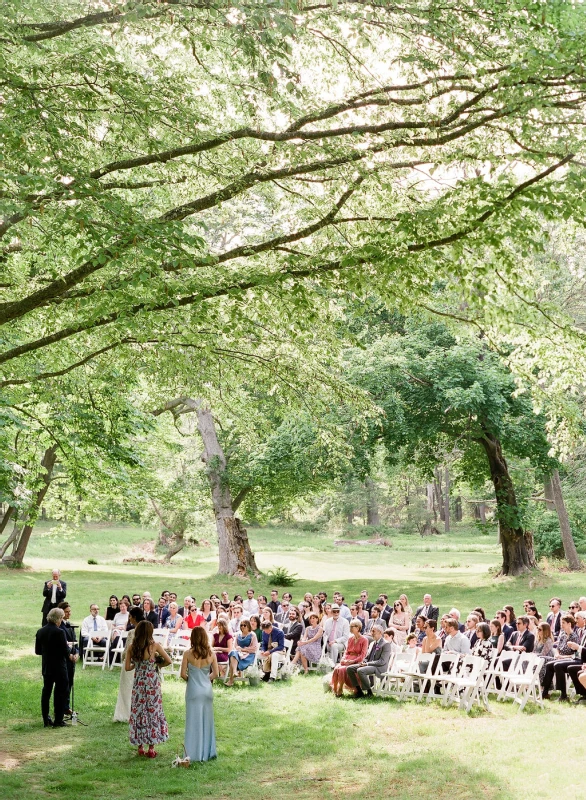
[290, 739]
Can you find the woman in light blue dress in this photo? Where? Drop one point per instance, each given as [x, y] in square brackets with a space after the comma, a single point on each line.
[245, 653]
[199, 668]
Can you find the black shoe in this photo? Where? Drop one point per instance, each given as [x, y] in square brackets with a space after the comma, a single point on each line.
[59, 724]
[68, 713]
[369, 693]
[358, 692]
[272, 680]
[48, 723]
[545, 696]
[563, 698]
[265, 678]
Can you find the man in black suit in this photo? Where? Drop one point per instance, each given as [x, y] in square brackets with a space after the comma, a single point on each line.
[366, 604]
[554, 618]
[54, 592]
[52, 645]
[385, 608]
[427, 610]
[376, 663]
[73, 646]
[523, 640]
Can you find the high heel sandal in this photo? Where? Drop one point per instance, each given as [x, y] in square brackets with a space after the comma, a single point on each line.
[151, 753]
[141, 751]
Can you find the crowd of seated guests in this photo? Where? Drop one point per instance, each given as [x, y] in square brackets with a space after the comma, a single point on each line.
[346, 632]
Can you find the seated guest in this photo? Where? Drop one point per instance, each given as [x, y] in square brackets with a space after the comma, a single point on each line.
[483, 646]
[309, 647]
[94, 627]
[354, 616]
[431, 642]
[523, 640]
[222, 644]
[267, 615]
[344, 609]
[327, 607]
[497, 637]
[282, 615]
[194, 619]
[399, 621]
[375, 663]
[255, 626]
[293, 628]
[272, 650]
[113, 608]
[544, 647]
[367, 605]
[304, 609]
[479, 611]
[443, 631]
[511, 618]
[455, 641]
[207, 612]
[569, 636]
[420, 630]
[554, 618]
[405, 600]
[225, 601]
[162, 612]
[507, 629]
[362, 612]
[455, 614]
[337, 631]
[355, 653]
[174, 621]
[274, 601]
[472, 621]
[150, 614]
[374, 619]
[389, 636]
[427, 610]
[316, 605]
[187, 603]
[119, 622]
[410, 641]
[386, 609]
[244, 654]
[250, 605]
[262, 603]
[136, 601]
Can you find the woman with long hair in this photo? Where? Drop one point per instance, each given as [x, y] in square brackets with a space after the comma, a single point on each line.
[199, 668]
[399, 620]
[511, 618]
[208, 613]
[544, 646]
[255, 627]
[147, 720]
[244, 653]
[122, 710]
[222, 643]
[149, 611]
[497, 637]
[405, 600]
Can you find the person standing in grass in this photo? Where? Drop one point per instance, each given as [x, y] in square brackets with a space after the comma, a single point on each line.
[198, 669]
[122, 710]
[147, 719]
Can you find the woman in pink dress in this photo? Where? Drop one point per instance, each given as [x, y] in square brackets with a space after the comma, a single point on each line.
[355, 654]
[399, 620]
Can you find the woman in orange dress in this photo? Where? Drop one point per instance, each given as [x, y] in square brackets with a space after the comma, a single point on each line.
[355, 654]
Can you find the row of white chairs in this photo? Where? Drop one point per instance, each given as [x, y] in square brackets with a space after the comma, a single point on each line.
[465, 680]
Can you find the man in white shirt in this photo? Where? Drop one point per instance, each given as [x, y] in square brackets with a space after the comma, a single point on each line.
[94, 627]
[250, 605]
[337, 631]
[456, 642]
[237, 617]
[344, 610]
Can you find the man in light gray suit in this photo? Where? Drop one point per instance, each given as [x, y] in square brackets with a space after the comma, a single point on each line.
[376, 663]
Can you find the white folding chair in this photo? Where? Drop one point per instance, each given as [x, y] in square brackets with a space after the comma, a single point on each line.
[179, 643]
[95, 655]
[447, 667]
[416, 677]
[118, 650]
[522, 683]
[467, 685]
[161, 636]
[497, 677]
[392, 680]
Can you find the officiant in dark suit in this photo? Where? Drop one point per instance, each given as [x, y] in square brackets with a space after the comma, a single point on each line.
[51, 644]
[54, 592]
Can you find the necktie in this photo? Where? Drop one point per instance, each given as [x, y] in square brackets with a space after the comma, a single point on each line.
[95, 624]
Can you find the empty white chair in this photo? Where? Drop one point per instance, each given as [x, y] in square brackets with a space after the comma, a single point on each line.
[522, 683]
[117, 652]
[467, 685]
[392, 680]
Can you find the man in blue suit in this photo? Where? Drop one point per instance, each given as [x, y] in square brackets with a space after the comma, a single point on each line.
[273, 650]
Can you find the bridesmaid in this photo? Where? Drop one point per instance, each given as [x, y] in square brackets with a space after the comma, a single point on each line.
[199, 668]
[122, 710]
[147, 720]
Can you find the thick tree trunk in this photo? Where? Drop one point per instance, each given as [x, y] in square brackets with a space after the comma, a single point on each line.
[20, 537]
[372, 513]
[548, 494]
[570, 551]
[7, 516]
[517, 544]
[236, 557]
[447, 501]
[174, 548]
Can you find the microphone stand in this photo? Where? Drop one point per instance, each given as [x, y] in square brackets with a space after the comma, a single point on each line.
[75, 720]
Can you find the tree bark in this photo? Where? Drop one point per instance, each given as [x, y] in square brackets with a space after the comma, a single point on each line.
[236, 557]
[570, 551]
[6, 518]
[517, 544]
[430, 500]
[20, 538]
[458, 509]
[439, 495]
[548, 494]
[447, 501]
[372, 513]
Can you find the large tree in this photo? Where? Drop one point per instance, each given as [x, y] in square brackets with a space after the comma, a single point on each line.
[176, 170]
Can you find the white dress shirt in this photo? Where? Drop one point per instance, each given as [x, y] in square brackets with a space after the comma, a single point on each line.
[342, 629]
[250, 607]
[90, 631]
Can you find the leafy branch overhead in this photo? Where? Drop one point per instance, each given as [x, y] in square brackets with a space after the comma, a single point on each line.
[183, 159]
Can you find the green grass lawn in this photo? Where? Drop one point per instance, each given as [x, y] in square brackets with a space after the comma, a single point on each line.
[290, 739]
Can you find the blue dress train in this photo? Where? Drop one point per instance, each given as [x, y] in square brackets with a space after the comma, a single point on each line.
[200, 733]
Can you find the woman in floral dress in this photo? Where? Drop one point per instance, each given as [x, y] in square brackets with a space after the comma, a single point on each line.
[147, 720]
